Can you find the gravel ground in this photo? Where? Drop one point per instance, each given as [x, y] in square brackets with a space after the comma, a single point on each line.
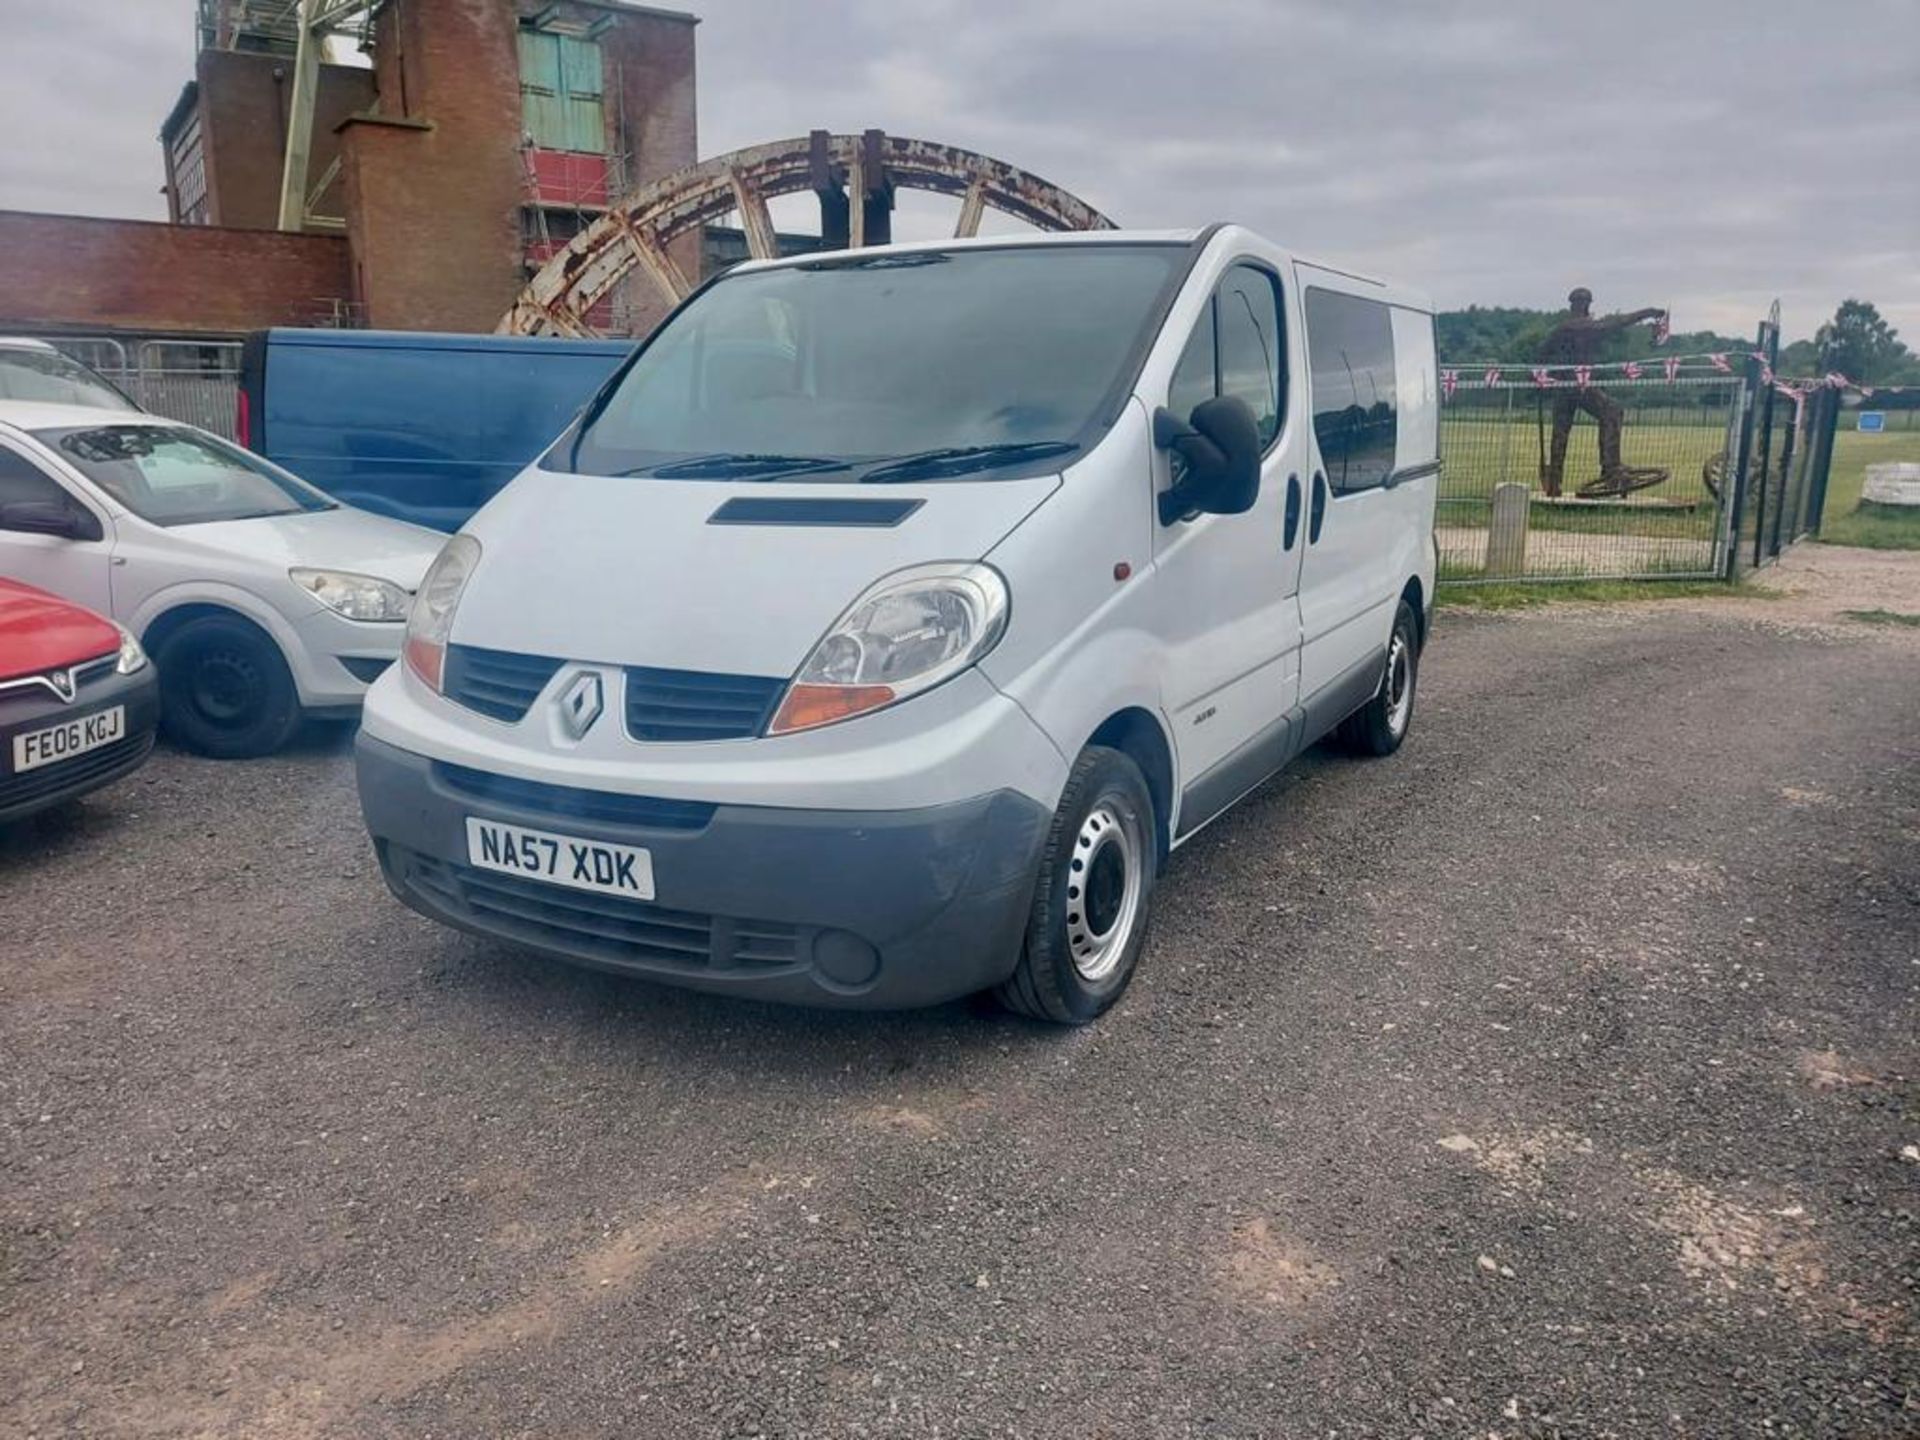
[1552, 1078]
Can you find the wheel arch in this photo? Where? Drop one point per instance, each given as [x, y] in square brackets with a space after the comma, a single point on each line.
[1138, 734]
[1415, 594]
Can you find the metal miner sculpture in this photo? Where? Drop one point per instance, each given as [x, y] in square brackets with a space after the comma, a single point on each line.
[1576, 340]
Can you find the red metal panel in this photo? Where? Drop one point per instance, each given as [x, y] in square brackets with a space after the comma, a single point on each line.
[568, 179]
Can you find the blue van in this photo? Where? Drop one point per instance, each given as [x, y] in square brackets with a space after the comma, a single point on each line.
[422, 427]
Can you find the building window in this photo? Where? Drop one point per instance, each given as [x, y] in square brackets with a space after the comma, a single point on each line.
[188, 158]
[562, 95]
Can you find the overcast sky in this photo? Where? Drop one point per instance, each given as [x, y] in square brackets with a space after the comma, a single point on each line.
[1702, 154]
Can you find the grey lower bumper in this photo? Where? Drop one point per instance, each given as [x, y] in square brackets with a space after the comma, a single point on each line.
[875, 909]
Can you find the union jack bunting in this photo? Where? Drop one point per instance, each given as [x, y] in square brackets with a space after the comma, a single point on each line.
[1493, 375]
[1837, 380]
[1632, 367]
[1766, 373]
[1583, 375]
[1672, 366]
[1720, 364]
[1541, 379]
[1449, 382]
[1660, 329]
[1866, 392]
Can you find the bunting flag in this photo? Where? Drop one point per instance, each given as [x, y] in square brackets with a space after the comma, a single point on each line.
[1661, 329]
[1673, 368]
[1449, 382]
[1583, 375]
[1766, 373]
[1632, 369]
[1719, 363]
[1493, 375]
[1541, 379]
[1837, 380]
[1866, 392]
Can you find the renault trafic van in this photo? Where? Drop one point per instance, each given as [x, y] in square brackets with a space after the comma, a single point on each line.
[882, 625]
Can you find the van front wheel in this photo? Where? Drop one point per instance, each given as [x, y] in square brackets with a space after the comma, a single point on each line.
[1090, 908]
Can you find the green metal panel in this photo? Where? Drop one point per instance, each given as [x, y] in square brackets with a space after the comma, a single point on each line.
[561, 89]
[581, 86]
[543, 110]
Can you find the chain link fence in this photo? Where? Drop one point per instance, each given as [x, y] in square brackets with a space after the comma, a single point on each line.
[1496, 519]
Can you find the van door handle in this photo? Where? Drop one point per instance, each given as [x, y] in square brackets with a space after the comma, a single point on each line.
[1319, 507]
[1293, 511]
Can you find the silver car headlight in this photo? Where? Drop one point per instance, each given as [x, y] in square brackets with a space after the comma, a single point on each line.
[906, 634]
[132, 658]
[358, 597]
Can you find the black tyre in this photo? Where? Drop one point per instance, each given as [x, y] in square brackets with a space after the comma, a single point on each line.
[1378, 727]
[225, 690]
[1094, 898]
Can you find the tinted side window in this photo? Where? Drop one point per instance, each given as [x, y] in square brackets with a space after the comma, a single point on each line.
[21, 481]
[1249, 324]
[1351, 343]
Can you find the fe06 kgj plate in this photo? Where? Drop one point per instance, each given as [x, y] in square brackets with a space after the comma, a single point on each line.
[68, 739]
[560, 859]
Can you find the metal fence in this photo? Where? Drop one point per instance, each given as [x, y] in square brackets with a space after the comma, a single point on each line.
[1495, 445]
[197, 381]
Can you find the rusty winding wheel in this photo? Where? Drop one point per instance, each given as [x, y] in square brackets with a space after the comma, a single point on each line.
[854, 176]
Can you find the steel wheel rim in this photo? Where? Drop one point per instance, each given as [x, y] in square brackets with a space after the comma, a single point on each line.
[1399, 683]
[1105, 879]
[226, 688]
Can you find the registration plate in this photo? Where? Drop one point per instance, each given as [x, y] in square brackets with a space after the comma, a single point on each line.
[560, 859]
[68, 739]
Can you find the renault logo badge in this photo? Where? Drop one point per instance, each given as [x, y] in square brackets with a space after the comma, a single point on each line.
[580, 704]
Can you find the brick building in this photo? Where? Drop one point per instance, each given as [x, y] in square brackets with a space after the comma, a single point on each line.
[455, 144]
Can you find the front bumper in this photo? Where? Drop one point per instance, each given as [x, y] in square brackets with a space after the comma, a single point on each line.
[871, 909]
[26, 710]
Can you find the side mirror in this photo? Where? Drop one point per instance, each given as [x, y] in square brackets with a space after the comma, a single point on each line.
[1221, 445]
[48, 517]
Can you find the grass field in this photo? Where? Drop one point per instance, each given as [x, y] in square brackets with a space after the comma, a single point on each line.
[1669, 528]
[1848, 521]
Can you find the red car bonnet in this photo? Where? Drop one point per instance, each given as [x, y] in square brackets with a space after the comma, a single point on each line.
[41, 632]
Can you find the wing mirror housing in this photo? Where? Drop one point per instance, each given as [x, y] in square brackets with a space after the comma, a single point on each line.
[1221, 444]
[45, 517]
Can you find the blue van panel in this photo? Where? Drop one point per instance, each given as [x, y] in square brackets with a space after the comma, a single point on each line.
[425, 427]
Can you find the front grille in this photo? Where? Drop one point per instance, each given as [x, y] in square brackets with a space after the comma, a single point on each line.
[563, 802]
[695, 705]
[499, 684]
[599, 927]
[78, 773]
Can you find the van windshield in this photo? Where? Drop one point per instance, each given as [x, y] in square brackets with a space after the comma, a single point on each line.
[889, 366]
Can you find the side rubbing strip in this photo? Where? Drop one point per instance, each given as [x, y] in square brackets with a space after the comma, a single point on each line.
[802, 510]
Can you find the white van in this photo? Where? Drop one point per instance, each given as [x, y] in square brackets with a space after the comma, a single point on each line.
[882, 625]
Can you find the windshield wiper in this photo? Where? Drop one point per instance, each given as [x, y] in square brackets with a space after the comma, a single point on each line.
[726, 466]
[964, 459]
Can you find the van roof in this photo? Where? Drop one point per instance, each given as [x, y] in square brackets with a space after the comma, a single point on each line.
[1390, 292]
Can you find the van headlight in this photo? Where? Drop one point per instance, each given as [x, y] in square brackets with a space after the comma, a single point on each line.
[431, 619]
[131, 658]
[909, 632]
[358, 597]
